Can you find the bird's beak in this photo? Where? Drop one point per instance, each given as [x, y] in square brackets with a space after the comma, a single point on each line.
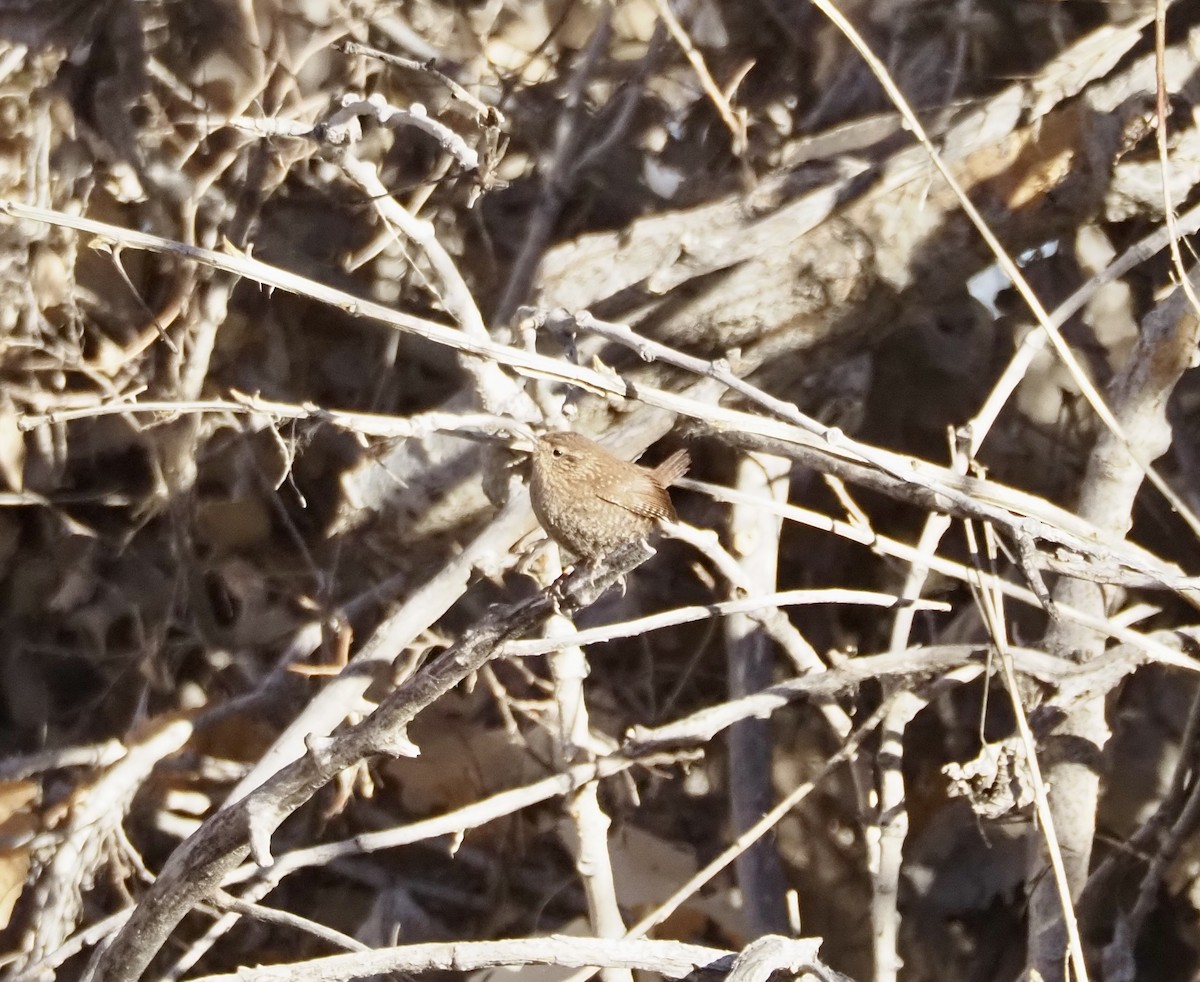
[523, 439]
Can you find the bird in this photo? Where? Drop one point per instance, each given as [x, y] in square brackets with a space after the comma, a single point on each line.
[590, 501]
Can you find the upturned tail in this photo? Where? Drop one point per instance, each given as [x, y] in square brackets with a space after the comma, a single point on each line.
[672, 469]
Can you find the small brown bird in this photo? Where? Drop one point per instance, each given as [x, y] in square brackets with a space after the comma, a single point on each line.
[590, 502]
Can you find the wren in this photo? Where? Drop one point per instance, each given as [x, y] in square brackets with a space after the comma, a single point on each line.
[590, 501]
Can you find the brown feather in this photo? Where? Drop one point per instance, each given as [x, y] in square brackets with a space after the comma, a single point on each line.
[672, 469]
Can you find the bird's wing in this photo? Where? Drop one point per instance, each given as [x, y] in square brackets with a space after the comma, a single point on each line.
[648, 504]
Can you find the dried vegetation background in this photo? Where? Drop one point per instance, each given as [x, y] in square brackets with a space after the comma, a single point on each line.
[270, 306]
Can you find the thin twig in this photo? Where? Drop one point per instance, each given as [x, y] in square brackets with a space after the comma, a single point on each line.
[1009, 266]
[1160, 139]
[734, 120]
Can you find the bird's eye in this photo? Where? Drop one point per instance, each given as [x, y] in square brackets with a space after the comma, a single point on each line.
[557, 452]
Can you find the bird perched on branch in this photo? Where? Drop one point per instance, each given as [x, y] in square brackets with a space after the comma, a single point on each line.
[590, 501]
